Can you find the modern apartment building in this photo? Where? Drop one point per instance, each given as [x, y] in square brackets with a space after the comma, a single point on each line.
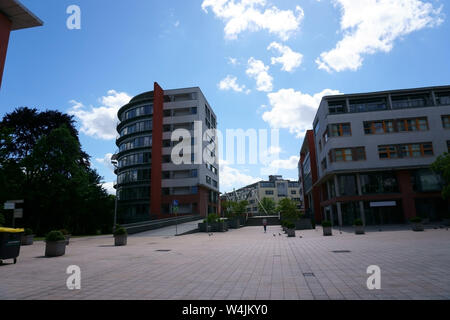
[276, 188]
[13, 16]
[373, 155]
[149, 181]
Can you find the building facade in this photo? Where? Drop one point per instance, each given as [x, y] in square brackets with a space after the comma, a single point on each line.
[308, 177]
[276, 188]
[13, 16]
[149, 180]
[374, 152]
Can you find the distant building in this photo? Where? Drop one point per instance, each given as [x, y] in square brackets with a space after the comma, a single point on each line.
[13, 16]
[148, 182]
[276, 188]
[373, 156]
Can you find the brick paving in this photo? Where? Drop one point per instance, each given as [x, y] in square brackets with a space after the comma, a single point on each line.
[240, 264]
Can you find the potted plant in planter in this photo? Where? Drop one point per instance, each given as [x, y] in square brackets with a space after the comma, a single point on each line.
[359, 226]
[417, 224]
[290, 229]
[120, 236]
[446, 220]
[27, 237]
[55, 244]
[327, 230]
[67, 235]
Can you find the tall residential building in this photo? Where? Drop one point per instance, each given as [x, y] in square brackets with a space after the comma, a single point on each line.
[374, 152]
[276, 188]
[148, 179]
[13, 16]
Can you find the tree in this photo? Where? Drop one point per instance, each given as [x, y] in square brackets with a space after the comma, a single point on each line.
[288, 209]
[27, 126]
[442, 167]
[41, 161]
[267, 206]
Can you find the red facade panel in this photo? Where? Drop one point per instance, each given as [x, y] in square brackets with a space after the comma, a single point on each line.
[156, 180]
[5, 29]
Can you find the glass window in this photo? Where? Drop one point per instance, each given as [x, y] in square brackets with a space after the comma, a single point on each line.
[366, 105]
[347, 185]
[336, 107]
[446, 121]
[443, 98]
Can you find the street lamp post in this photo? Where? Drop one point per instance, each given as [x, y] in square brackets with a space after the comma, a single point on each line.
[114, 163]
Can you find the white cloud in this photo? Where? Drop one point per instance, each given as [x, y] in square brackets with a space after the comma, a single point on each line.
[289, 59]
[258, 71]
[232, 61]
[254, 15]
[370, 26]
[106, 161]
[294, 110]
[109, 187]
[276, 165]
[100, 122]
[233, 178]
[230, 83]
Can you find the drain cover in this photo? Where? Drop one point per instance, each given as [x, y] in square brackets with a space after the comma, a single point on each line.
[163, 250]
[309, 274]
[341, 251]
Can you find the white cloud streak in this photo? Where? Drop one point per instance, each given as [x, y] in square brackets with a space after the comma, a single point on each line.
[289, 59]
[254, 15]
[371, 26]
[258, 71]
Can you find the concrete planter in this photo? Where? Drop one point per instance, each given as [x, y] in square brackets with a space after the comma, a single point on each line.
[55, 249]
[67, 236]
[327, 231]
[242, 220]
[234, 223]
[359, 230]
[27, 240]
[120, 240]
[303, 224]
[446, 222]
[219, 226]
[417, 227]
[291, 233]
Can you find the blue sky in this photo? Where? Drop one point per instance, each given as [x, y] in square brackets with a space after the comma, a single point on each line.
[261, 64]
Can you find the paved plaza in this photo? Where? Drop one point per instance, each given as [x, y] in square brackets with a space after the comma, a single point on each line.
[240, 264]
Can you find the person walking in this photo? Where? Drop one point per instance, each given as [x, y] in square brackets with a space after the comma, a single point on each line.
[265, 225]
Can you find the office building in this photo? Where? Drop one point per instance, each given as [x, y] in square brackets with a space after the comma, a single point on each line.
[276, 188]
[374, 152]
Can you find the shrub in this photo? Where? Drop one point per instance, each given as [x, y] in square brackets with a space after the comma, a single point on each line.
[54, 236]
[212, 218]
[64, 232]
[416, 220]
[2, 220]
[359, 222]
[28, 232]
[120, 231]
[326, 224]
[290, 225]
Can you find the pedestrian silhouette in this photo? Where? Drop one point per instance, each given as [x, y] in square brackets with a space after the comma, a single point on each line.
[265, 225]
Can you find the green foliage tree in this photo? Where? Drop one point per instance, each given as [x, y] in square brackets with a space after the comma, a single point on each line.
[41, 161]
[267, 206]
[288, 209]
[442, 167]
[240, 208]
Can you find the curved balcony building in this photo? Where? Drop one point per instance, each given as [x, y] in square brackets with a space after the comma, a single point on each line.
[148, 181]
